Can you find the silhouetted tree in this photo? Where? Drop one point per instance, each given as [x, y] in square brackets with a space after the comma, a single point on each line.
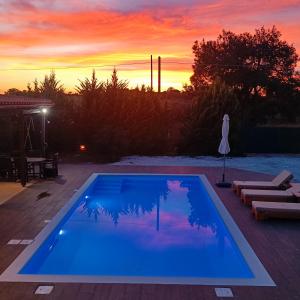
[115, 83]
[105, 130]
[201, 132]
[90, 90]
[35, 91]
[92, 94]
[51, 88]
[257, 64]
[15, 92]
[61, 129]
[259, 69]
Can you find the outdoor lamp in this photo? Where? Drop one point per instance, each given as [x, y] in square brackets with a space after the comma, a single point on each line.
[82, 148]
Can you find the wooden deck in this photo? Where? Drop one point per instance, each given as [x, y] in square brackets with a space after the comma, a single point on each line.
[276, 243]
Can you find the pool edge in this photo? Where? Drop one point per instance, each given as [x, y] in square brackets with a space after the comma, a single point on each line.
[262, 277]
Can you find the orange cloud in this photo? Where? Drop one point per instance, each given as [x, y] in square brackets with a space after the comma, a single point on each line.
[74, 35]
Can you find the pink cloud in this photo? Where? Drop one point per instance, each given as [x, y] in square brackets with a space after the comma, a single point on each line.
[175, 230]
[93, 32]
[175, 186]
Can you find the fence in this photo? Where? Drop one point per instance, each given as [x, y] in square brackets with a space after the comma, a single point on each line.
[272, 140]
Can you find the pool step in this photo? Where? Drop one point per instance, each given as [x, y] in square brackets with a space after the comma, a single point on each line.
[117, 185]
[109, 187]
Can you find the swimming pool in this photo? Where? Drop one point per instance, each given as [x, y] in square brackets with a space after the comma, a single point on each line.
[141, 228]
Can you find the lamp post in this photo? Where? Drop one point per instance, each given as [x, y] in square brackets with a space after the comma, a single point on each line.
[44, 112]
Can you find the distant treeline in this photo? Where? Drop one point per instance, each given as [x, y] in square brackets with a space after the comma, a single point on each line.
[251, 77]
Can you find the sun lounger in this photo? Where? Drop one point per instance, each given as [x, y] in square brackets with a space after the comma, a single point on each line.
[265, 210]
[290, 195]
[279, 182]
[248, 196]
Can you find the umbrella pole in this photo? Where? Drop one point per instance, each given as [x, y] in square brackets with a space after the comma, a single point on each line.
[224, 160]
[223, 183]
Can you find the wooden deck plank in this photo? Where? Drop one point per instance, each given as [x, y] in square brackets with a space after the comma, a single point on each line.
[276, 242]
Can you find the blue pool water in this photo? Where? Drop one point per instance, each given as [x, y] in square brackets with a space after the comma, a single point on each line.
[129, 225]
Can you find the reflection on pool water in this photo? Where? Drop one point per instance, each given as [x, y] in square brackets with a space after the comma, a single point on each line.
[133, 225]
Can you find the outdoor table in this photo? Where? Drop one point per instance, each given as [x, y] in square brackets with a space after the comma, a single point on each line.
[36, 162]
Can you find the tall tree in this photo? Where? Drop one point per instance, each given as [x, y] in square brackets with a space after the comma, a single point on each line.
[202, 127]
[90, 90]
[35, 91]
[256, 64]
[15, 92]
[51, 88]
[115, 83]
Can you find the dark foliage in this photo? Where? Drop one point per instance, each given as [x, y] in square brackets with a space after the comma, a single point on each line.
[251, 77]
[257, 64]
[260, 67]
[202, 127]
[115, 121]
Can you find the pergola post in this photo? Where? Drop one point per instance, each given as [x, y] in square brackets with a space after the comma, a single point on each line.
[23, 166]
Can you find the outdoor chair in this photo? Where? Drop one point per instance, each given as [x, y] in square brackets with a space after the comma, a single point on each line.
[290, 195]
[28, 168]
[6, 168]
[50, 168]
[283, 210]
[281, 181]
[34, 153]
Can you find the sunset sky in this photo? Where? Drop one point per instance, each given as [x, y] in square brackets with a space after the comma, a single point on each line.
[39, 35]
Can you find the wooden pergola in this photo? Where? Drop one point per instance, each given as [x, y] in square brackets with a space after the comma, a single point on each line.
[20, 106]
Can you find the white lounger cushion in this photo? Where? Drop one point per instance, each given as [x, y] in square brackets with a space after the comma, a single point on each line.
[254, 183]
[283, 178]
[248, 195]
[276, 206]
[264, 210]
[267, 193]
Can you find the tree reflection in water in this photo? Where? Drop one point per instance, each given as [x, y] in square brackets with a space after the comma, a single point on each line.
[91, 206]
[203, 215]
[132, 199]
[141, 197]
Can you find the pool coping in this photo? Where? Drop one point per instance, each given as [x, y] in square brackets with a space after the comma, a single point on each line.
[261, 276]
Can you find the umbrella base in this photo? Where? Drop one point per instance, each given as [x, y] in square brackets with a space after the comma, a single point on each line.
[223, 184]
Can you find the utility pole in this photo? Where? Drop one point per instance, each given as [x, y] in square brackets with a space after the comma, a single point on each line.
[151, 74]
[159, 74]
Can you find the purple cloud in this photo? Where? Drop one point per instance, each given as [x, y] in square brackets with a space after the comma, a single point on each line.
[19, 5]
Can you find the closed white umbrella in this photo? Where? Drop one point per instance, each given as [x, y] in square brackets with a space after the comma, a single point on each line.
[224, 147]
